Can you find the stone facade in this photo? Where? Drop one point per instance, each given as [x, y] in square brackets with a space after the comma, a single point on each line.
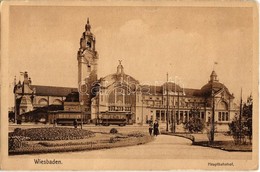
[29, 97]
[122, 93]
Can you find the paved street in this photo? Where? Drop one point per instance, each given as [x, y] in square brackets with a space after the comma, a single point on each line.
[164, 147]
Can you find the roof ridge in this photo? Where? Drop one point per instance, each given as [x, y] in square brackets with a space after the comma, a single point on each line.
[52, 86]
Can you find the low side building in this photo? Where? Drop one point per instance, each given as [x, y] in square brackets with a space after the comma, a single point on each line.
[30, 97]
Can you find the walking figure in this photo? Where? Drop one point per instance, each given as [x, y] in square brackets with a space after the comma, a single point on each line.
[54, 123]
[156, 128]
[151, 128]
[75, 123]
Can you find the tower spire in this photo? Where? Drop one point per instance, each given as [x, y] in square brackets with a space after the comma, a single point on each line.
[213, 77]
[87, 26]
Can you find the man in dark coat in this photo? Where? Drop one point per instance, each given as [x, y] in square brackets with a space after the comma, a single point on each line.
[151, 128]
[156, 128]
[75, 123]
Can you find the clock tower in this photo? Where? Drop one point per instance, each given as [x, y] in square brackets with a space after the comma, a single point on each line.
[87, 67]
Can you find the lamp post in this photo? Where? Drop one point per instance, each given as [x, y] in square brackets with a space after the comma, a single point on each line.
[240, 117]
[81, 104]
[173, 117]
[167, 111]
[142, 112]
[15, 109]
[212, 130]
[15, 105]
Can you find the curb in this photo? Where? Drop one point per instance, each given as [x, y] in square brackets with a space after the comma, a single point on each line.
[197, 144]
[191, 138]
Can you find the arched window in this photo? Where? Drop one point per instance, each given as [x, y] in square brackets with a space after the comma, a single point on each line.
[57, 102]
[24, 101]
[89, 44]
[222, 106]
[223, 114]
[43, 101]
[119, 99]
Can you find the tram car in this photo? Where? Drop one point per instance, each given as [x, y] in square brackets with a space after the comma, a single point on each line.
[68, 118]
[114, 118]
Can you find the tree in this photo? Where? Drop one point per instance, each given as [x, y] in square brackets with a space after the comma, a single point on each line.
[243, 132]
[247, 117]
[195, 123]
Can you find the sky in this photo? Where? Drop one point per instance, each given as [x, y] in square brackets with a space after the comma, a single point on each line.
[150, 41]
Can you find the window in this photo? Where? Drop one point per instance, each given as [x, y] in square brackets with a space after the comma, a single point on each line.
[202, 115]
[89, 44]
[162, 115]
[157, 114]
[219, 116]
[223, 116]
[227, 117]
[181, 115]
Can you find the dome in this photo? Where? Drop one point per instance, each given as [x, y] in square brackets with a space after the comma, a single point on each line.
[206, 90]
[119, 79]
[119, 76]
[214, 85]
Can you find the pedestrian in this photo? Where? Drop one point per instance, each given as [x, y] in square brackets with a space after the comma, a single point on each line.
[54, 123]
[156, 128]
[151, 128]
[75, 123]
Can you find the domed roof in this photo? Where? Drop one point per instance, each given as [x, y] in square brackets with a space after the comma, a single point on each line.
[213, 85]
[119, 77]
[206, 90]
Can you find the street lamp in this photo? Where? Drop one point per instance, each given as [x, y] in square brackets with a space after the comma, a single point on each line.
[142, 112]
[81, 104]
[212, 130]
[173, 117]
[167, 111]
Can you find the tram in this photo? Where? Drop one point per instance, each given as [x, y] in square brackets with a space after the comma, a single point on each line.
[114, 118]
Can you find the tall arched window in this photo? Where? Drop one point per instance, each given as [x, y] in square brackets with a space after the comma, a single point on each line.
[120, 100]
[223, 114]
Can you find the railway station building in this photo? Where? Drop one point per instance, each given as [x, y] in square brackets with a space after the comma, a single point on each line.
[120, 93]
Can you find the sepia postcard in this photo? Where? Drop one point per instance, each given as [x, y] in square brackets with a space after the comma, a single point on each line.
[129, 85]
